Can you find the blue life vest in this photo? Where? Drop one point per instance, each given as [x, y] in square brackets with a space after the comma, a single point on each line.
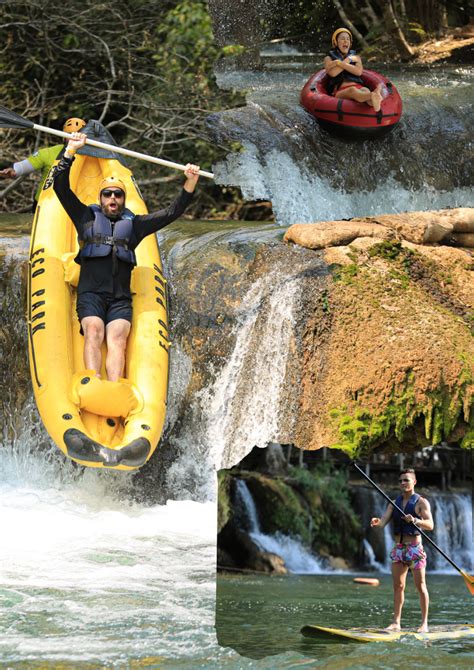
[100, 238]
[401, 527]
[335, 82]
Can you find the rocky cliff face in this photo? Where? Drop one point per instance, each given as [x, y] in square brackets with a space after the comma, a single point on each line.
[374, 349]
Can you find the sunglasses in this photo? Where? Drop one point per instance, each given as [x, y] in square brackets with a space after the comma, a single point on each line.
[108, 193]
[403, 481]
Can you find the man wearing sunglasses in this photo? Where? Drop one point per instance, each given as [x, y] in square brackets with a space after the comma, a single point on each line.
[407, 552]
[109, 233]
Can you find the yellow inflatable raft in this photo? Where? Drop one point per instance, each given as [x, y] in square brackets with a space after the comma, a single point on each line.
[95, 422]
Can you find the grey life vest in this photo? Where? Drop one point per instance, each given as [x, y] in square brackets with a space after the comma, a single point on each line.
[101, 238]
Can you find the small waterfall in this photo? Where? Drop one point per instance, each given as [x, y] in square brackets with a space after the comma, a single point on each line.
[244, 401]
[310, 176]
[297, 559]
[452, 514]
[372, 562]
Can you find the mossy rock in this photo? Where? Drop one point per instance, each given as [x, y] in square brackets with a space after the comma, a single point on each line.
[280, 508]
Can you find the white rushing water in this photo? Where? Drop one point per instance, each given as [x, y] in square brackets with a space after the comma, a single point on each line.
[244, 402]
[298, 559]
[89, 575]
[301, 196]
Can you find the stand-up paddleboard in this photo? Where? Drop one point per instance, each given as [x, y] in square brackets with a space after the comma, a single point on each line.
[95, 422]
[325, 633]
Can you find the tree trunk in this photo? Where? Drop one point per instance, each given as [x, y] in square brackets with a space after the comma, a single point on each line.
[348, 23]
[393, 27]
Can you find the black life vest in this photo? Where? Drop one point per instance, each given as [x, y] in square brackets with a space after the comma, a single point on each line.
[335, 82]
[100, 238]
[401, 527]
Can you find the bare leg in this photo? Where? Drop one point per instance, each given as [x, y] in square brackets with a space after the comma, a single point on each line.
[353, 93]
[116, 333]
[93, 328]
[372, 98]
[420, 583]
[399, 576]
[376, 98]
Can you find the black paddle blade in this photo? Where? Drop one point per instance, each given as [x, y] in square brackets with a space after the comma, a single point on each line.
[9, 119]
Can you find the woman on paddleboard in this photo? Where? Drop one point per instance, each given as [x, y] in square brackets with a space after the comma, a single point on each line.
[408, 552]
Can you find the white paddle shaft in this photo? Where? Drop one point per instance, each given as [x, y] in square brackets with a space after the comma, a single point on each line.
[121, 150]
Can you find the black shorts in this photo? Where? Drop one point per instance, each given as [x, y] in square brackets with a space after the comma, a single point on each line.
[105, 307]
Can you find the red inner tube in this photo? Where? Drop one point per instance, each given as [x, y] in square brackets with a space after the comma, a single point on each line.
[324, 107]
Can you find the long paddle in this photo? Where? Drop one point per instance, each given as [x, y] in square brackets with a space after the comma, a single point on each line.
[467, 578]
[9, 119]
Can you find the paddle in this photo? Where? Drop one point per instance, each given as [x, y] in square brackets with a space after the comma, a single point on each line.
[467, 578]
[9, 119]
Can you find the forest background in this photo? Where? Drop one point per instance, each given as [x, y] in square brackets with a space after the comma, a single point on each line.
[144, 68]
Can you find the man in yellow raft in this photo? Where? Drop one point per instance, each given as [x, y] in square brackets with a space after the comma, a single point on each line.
[109, 233]
[42, 159]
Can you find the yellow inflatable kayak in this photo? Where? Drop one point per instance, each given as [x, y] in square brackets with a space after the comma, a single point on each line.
[95, 422]
[455, 631]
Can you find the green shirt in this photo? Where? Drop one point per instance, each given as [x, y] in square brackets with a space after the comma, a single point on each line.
[43, 160]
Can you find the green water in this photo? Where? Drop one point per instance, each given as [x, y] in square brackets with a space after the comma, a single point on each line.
[259, 616]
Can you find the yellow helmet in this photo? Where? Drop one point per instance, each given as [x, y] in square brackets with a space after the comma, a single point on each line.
[73, 125]
[338, 32]
[111, 182]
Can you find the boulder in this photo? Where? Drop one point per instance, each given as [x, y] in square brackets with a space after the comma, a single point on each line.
[418, 227]
[334, 233]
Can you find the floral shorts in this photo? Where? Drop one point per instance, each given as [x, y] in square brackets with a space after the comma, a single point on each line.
[412, 555]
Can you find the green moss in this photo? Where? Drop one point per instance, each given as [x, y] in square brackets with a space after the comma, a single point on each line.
[224, 507]
[361, 429]
[345, 273]
[280, 507]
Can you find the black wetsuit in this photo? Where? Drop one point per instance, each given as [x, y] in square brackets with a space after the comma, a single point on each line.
[97, 275]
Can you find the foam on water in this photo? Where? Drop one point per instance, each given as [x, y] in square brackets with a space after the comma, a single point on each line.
[80, 559]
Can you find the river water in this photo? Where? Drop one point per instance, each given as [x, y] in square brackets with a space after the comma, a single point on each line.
[259, 616]
[93, 577]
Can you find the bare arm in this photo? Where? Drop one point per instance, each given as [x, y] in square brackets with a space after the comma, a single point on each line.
[353, 65]
[332, 67]
[381, 523]
[423, 509]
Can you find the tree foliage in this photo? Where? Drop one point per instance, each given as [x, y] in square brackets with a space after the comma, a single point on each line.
[141, 67]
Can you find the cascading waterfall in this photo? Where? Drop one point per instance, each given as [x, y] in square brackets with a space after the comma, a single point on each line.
[297, 559]
[452, 514]
[310, 176]
[245, 398]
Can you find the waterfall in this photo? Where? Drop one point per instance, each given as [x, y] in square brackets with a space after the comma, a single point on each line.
[310, 176]
[297, 559]
[452, 515]
[245, 398]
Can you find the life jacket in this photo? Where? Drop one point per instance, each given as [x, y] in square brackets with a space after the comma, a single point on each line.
[401, 527]
[335, 82]
[100, 239]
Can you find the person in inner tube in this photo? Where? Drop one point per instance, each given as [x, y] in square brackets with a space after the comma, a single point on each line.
[344, 68]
